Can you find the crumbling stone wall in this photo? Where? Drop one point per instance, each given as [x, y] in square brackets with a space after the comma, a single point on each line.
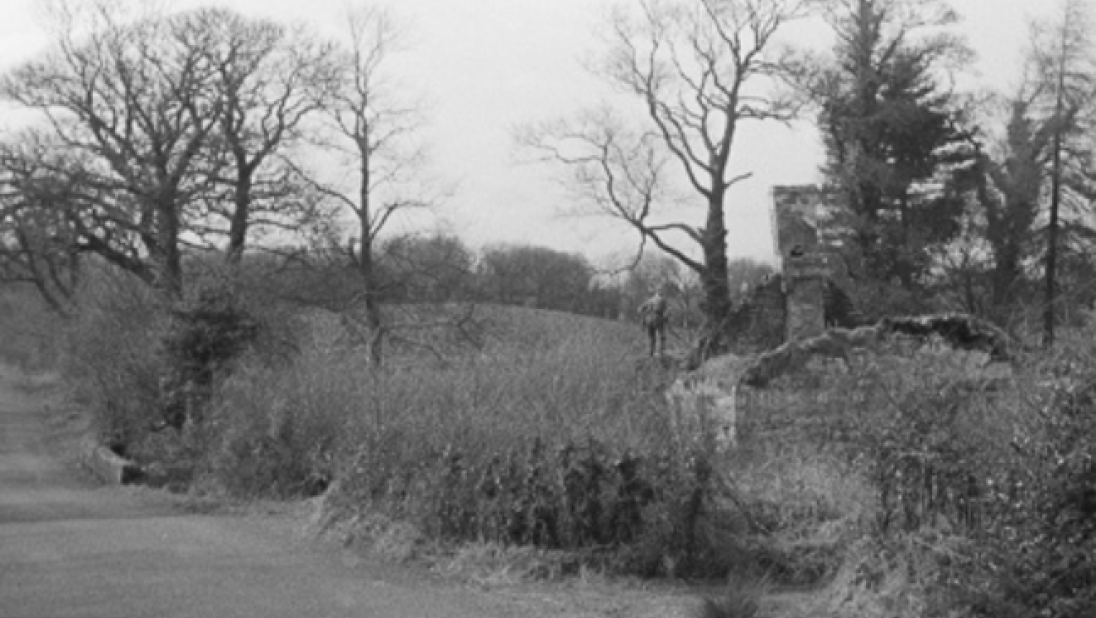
[807, 217]
[807, 276]
[758, 321]
[808, 238]
[808, 297]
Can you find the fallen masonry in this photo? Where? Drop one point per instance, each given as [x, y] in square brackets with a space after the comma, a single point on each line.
[706, 398]
[959, 331]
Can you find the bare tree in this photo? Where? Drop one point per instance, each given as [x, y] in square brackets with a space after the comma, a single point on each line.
[270, 79]
[37, 232]
[699, 68]
[374, 126]
[131, 97]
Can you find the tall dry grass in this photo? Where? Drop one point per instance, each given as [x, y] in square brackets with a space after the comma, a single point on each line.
[563, 383]
[542, 434]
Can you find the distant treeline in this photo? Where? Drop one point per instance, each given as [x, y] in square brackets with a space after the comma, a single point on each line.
[442, 268]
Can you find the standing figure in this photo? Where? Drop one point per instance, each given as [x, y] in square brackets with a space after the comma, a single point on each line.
[652, 314]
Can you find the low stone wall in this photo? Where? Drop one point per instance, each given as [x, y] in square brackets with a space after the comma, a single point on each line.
[107, 466]
[706, 399]
[701, 405]
[758, 322]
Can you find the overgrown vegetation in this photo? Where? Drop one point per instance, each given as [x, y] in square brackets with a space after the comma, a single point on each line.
[111, 354]
[913, 484]
[977, 484]
[543, 437]
[537, 431]
[207, 333]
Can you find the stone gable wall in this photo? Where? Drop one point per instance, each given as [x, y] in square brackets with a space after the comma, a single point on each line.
[808, 237]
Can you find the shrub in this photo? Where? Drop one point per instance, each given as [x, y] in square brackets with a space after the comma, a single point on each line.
[982, 490]
[111, 354]
[806, 504]
[1042, 543]
[209, 329]
[884, 478]
[143, 363]
[741, 599]
[899, 575]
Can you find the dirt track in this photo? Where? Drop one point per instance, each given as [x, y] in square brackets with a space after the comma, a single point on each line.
[71, 548]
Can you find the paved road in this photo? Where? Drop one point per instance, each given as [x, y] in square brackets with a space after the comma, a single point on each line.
[71, 548]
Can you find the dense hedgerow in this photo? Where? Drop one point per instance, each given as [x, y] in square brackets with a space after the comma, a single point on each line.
[146, 366]
[111, 354]
[208, 331]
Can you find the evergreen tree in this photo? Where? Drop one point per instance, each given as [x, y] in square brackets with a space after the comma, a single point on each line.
[891, 130]
[1008, 188]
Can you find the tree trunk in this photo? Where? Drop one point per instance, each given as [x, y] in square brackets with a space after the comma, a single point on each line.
[1052, 247]
[716, 306]
[373, 320]
[241, 213]
[170, 276]
[366, 266]
[1055, 204]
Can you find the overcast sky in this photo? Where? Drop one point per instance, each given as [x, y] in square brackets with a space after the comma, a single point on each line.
[490, 65]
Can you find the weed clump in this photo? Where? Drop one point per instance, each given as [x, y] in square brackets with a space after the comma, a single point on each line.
[740, 599]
